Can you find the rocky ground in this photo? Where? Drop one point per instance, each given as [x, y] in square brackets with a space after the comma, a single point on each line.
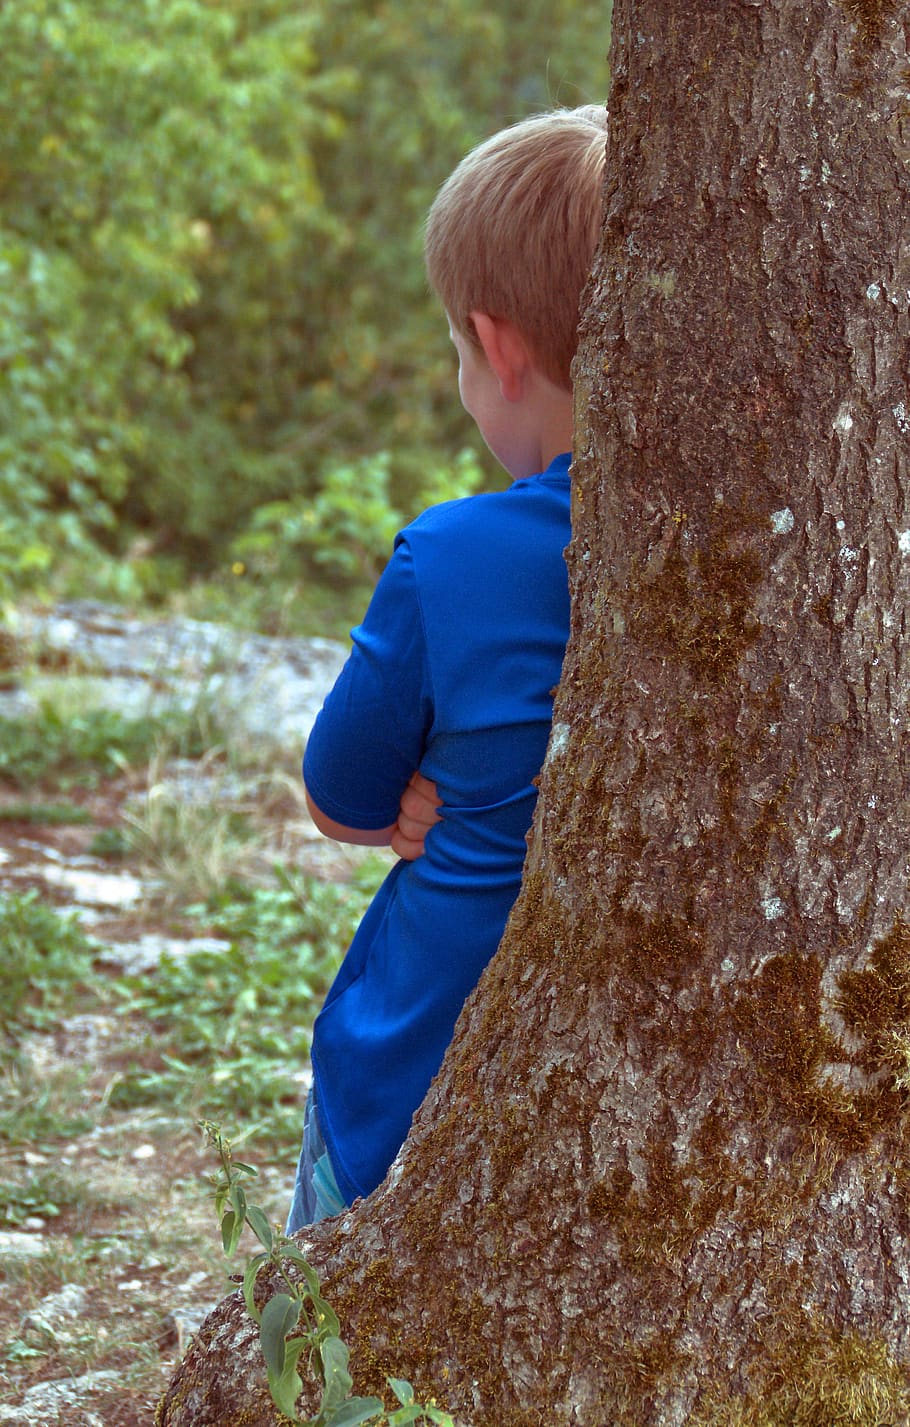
[109, 1250]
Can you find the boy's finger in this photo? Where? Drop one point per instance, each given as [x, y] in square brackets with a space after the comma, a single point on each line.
[425, 787]
[407, 848]
[417, 805]
[415, 828]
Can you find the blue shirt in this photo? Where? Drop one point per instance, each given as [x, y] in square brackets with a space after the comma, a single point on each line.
[453, 672]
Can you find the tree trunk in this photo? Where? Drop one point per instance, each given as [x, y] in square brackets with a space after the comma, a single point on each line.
[663, 1176]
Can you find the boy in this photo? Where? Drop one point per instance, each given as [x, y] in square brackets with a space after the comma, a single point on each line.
[446, 700]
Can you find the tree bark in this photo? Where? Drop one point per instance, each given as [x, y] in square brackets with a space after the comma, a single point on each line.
[663, 1175]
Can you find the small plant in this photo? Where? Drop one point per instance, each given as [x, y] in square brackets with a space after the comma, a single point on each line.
[35, 1107]
[112, 843]
[229, 1025]
[195, 844]
[300, 1322]
[44, 958]
[80, 748]
[46, 1194]
[19, 1203]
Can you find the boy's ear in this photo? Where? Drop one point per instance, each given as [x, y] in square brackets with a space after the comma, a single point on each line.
[506, 351]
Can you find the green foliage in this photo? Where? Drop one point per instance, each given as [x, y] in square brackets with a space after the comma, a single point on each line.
[45, 1194]
[46, 814]
[211, 285]
[44, 959]
[350, 525]
[155, 159]
[299, 1323]
[232, 1024]
[78, 749]
[112, 843]
[36, 1107]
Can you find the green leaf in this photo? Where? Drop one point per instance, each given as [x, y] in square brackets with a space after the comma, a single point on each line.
[338, 1381]
[238, 1164]
[291, 1251]
[285, 1391]
[287, 1388]
[279, 1317]
[249, 1282]
[327, 1323]
[231, 1229]
[238, 1200]
[258, 1222]
[402, 1390]
[309, 1273]
[354, 1411]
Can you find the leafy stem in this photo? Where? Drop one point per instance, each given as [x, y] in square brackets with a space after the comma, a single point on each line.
[300, 1323]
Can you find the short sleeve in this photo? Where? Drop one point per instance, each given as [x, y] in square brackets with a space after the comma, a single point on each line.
[370, 735]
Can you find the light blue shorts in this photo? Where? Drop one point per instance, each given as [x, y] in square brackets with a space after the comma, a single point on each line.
[316, 1195]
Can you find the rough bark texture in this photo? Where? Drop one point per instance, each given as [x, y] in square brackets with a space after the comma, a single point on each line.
[663, 1176]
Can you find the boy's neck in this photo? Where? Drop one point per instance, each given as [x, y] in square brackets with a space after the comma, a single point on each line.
[558, 441]
[554, 420]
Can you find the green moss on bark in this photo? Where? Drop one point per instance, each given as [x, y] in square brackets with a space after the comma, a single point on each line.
[816, 1377]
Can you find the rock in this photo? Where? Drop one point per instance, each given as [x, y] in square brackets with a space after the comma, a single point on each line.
[46, 1320]
[181, 1324]
[138, 957]
[118, 891]
[264, 688]
[46, 1401]
[21, 1246]
[17, 704]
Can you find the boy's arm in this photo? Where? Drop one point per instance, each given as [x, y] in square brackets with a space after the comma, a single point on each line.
[372, 730]
[362, 837]
[417, 813]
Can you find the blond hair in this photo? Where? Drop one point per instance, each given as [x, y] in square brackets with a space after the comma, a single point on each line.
[512, 233]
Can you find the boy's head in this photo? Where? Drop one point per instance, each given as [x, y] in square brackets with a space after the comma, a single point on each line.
[512, 233]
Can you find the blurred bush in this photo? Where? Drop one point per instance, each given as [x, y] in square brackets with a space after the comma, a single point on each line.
[212, 300]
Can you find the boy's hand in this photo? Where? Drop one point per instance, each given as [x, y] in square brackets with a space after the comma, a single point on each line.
[416, 815]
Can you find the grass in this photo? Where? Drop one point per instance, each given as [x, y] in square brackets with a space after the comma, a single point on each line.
[44, 960]
[37, 1109]
[227, 1027]
[74, 741]
[82, 749]
[195, 846]
[301, 610]
[45, 814]
[214, 1034]
[103, 1077]
[42, 1196]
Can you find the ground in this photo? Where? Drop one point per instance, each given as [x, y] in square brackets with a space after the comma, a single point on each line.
[167, 928]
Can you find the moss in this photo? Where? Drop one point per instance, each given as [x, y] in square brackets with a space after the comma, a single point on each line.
[875, 1002]
[649, 965]
[511, 1139]
[699, 611]
[816, 1377]
[382, 1317]
[607, 1199]
[780, 1023]
[869, 16]
[769, 823]
[658, 1226]
[823, 609]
